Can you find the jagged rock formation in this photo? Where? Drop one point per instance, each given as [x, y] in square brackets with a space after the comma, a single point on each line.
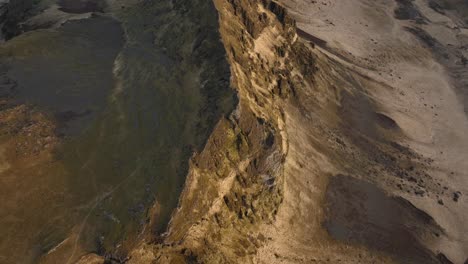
[348, 143]
[312, 166]
[235, 184]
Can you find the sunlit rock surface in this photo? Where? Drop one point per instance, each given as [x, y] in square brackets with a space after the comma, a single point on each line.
[238, 131]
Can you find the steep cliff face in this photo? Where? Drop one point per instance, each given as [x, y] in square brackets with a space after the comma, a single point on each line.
[311, 166]
[233, 208]
[235, 184]
[348, 142]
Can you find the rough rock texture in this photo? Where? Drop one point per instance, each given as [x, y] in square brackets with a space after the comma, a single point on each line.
[235, 184]
[229, 210]
[325, 160]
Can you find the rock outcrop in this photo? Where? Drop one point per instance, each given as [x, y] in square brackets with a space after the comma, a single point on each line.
[261, 190]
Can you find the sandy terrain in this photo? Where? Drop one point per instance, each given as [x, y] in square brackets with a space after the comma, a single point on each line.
[414, 73]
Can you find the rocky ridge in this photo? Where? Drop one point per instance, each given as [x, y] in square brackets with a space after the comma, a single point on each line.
[285, 178]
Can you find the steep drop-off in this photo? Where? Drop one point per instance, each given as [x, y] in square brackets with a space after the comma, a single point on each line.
[315, 165]
[348, 143]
